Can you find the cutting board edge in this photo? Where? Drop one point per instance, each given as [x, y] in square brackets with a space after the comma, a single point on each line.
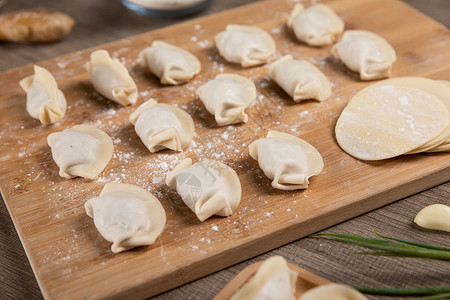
[27, 251]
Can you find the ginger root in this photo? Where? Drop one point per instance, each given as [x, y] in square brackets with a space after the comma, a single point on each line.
[34, 25]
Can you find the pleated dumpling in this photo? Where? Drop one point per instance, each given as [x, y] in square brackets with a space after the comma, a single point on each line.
[300, 79]
[365, 52]
[245, 45]
[45, 101]
[126, 215]
[227, 96]
[81, 151]
[208, 187]
[287, 160]
[317, 25]
[111, 79]
[273, 281]
[162, 126]
[173, 65]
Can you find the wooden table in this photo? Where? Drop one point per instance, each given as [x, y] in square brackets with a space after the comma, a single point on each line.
[102, 21]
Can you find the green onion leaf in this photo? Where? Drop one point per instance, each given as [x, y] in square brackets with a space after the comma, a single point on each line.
[387, 248]
[424, 245]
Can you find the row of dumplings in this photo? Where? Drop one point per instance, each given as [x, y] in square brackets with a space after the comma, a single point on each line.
[84, 151]
[129, 216]
[226, 96]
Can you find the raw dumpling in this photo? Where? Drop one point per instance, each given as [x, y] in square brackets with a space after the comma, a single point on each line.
[173, 65]
[333, 291]
[81, 151]
[126, 215]
[300, 79]
[245, 45]
[227, 96]
[111, 79]
[365, 52]
[436, 216]
[273, 281]
[162, 126]
[208, 187]
[317, 25]
[45, 101]
[288, 160]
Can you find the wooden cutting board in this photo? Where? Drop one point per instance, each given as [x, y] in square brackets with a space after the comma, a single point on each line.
[70, 258]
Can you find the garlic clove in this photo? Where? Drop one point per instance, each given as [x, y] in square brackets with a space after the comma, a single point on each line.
[436, 216]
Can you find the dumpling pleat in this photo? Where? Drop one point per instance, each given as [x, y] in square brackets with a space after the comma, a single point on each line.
[168, 138]
[211, 205]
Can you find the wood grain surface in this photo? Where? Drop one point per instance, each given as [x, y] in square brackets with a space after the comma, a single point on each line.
[442, 192]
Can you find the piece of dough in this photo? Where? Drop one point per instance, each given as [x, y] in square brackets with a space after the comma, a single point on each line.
[111, 79]
[393, 117]
[433, 87]
[443, 93]
[227, 96]
[273, 281]
[287, 160]
[300, 79]
[126, 215]
[162, 126]
[317, 25]
[45, 101]
[81, 151]
[245, 45]
[208, 187]
[366, 53]
[173, 65]
[436, 216]
[444, 146]
[333, 291]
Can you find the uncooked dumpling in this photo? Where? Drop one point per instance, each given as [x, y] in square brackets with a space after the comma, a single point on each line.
[333, 291]
[317, 25]
[227, 96]
[300, 79]
[81, 151]
[208, 187]
[111, 79]
[245, 45]
[173, 65]
[45, 101]
[394, 117]
[436, 216]
[287, 160]
[126, 215]
[273, 281]
[366, 53]
[162, 126]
